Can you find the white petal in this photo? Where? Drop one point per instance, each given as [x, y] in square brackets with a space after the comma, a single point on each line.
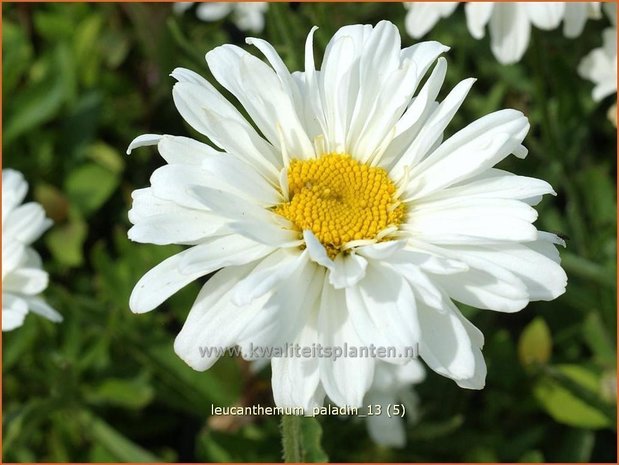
[469, 152]
[477, 16]
[14, 311]
[158, 221]
[422, 16]
[383, 311]
[145, 140]
[348, 270]
[545, 15]
[509, 32]
[248, 219]
[296, 380]
[433, 128]
[14, 189]
[250, 16]
[185, 226]
[239, 178]
[261, 93]
[208, 112]
[29, 281]
[270, 272]
[13, 253]
[385, 430]
[214, 323]
[213, 11]
[478, 380]
[175, 183]
[485, 285]
[245, 145]
[289, 307]
[575, 18]
[446, 346]
[278, 65]
[381, 250]
[40, 307]
[472, 221]
[423, 54]
[346, 379]
[26, 223]
[186, 151]
[316, 250]
[381, 50]
[413, 120]
[427, 260]
[496, 184]
[424, 288]
[179, 270]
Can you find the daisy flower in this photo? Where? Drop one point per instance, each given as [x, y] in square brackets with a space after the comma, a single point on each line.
[344, 218]
[247, 16]
[391, 387]
[600, 65]
[509, 22]
[23, 278]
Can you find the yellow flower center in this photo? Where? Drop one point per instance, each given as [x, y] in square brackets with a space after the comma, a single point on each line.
[340, 200]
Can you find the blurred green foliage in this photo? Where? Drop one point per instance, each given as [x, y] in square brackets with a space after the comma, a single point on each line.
[80, 81]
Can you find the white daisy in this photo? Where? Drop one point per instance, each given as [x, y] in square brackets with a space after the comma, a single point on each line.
[344, 218]
[509, 22]
[392, 387]
[600, 65]
[23, 278]
[247, 16]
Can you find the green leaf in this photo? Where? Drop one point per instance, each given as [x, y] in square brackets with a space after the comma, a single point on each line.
[123, 449]
[85, 41]
[89, 186]
[16, 55]
[575, 265]
[130, 393]
[597, 337]
[598, 184]
[66, 241]
[570, 394]
[106, 156]
[535, 344]
[37, 104]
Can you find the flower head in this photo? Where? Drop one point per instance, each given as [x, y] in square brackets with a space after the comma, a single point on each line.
[344, 218]
[509, 22]
[23, 278]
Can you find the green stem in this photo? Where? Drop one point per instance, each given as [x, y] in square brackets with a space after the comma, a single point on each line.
[291, 438]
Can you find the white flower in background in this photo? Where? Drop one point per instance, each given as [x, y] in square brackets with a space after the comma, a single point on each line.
[600, 65]
[247, 16]
[23, 278]
[392, 386]
[346, 219]
[423, 16]
[509, 23]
